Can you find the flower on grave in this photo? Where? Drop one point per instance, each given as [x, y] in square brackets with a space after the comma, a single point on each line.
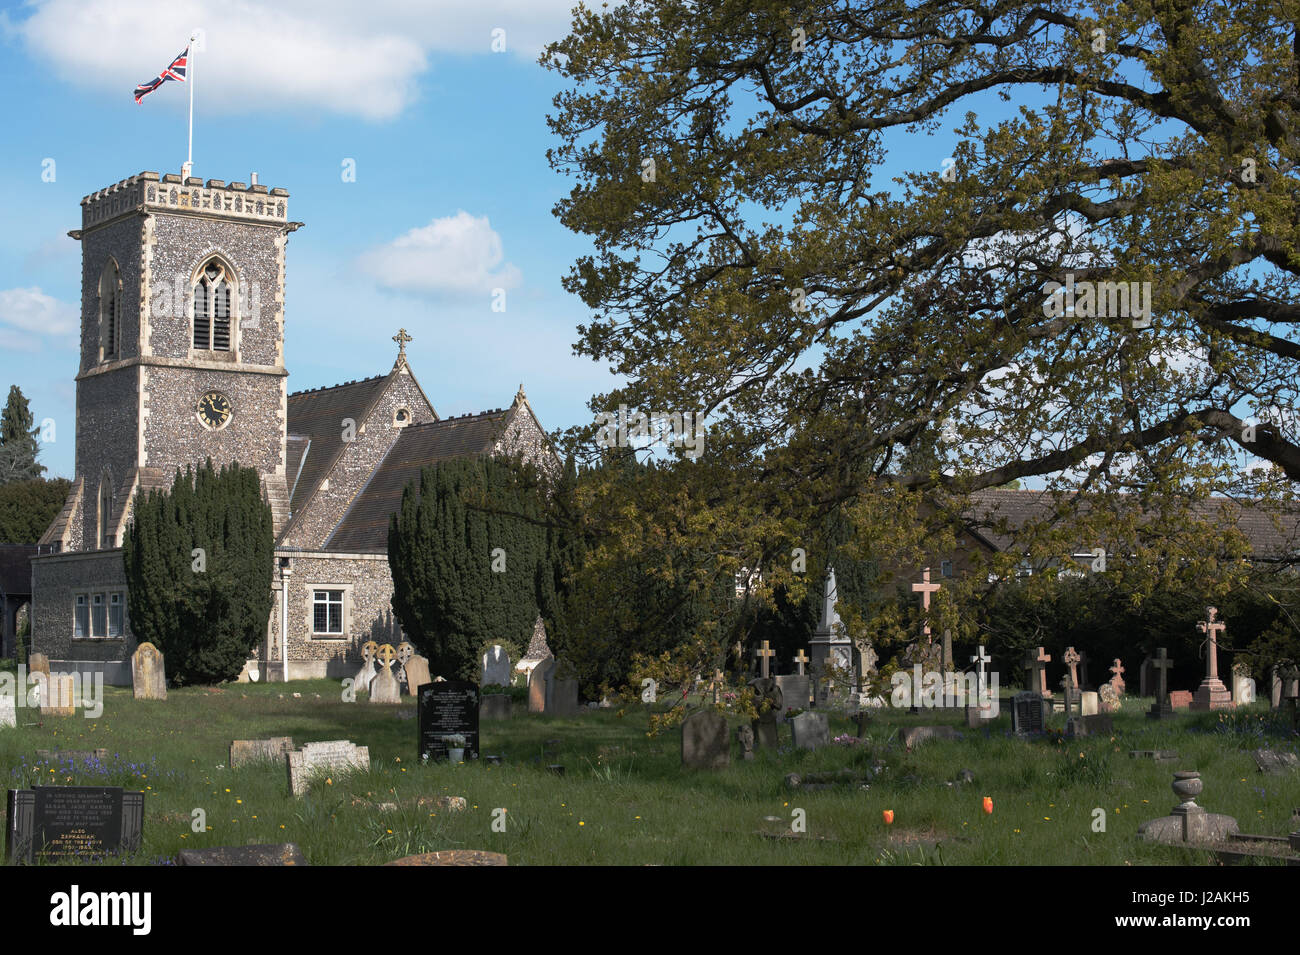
[988, 805]
[888, 816]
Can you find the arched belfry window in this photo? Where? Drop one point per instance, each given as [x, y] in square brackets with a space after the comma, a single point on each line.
[213, 307]
[110, 311]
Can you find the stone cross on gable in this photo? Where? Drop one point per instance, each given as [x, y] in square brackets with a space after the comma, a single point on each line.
[925, 589]
[401, 338]
[1212, 628]
[763, 656]
[1071, 659]
[1162, 663]
[1037, 664]
[800, 659]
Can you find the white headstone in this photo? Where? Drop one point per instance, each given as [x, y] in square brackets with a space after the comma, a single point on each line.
[316, 760]
[496, 666]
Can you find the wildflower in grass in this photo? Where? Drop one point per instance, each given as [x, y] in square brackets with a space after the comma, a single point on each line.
[988, 805]
[888, 816]
[581, 823]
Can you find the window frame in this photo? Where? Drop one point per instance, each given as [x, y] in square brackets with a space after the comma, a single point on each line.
[93, 613]
[211, 303]
[345, 611]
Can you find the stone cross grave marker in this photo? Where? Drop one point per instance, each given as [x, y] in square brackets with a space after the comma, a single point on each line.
[384, 687]
[763, 655]
[148, 677]
[925, 589]
[1117, 678]
[367, 671]
[981, 682]
[1212, 694]
[1071, 659]
[800, 659]
[1162, 708]
[404, 653]
[326, 758]
[1037, 664]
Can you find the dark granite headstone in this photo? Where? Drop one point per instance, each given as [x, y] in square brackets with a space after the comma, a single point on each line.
[59, 823]
[495, 706]
[446, 708]
[1026, 713]
[275, 855]
[705, 744]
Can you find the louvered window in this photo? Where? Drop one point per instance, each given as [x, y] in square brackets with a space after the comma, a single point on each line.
[212, 309]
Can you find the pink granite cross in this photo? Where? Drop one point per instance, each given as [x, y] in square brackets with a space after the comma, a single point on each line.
[1071, 659]
[1116, 680]
[925, 589]
[1212, 628]
[1038, 664]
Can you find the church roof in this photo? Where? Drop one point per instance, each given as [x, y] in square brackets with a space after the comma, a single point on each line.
[364, 529]
[317, 417]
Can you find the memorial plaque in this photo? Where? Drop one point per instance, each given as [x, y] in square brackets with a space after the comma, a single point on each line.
[448, 708]
[57, 823]
[1026, 713]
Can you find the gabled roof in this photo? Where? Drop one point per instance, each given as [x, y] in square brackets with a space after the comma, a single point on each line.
[1020, 507]
[317, 416]
[364, 528]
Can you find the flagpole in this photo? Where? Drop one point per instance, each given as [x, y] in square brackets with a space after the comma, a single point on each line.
[189, 78]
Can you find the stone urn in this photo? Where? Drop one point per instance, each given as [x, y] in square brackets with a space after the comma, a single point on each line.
[1187, 786]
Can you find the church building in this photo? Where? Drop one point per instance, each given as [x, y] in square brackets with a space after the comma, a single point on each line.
[182, 359]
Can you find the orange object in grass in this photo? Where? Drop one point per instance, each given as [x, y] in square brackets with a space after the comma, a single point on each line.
[888, 816]
[988, 805]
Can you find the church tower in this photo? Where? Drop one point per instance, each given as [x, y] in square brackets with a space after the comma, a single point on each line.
[182, 345]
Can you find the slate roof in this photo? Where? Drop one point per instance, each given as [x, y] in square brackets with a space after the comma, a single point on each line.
[317, 416]
[16, 569]
[1268, 541]
[364, 528]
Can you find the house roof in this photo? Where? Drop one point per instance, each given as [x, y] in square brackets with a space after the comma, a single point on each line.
[16, 569]
[1268, 540]
[364, 528]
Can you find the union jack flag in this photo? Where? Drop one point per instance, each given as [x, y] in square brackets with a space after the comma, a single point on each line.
[176, 71]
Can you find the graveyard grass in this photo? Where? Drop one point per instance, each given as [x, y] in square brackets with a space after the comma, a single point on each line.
[626, 799]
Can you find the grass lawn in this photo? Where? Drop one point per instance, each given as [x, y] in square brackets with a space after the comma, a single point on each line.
[626, 800]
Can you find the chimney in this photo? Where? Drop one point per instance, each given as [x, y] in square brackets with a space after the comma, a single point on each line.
[252, 179]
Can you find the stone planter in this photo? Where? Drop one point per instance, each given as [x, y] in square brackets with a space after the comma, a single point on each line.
[494, 707]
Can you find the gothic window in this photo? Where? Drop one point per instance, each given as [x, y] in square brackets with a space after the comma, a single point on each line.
[213, 296]
[107, 539]
[110, 311]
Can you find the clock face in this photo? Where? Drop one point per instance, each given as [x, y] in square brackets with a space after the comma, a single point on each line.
[214, 410]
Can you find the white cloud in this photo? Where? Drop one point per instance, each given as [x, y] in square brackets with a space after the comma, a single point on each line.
[455, 255]
[28, 314]
[361, 59]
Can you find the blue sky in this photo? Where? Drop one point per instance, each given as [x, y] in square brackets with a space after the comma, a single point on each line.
[449, 142]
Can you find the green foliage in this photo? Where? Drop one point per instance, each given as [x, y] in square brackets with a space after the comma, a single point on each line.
[206, 621]
[18, 447]
[469, 554]
[28, 507]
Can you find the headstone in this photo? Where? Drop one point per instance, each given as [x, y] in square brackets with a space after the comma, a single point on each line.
[913, 736]
[1089, 726]
[1161, 708]
[1072, 659]
[1212, 694]
[404, 653]
[62, 700]
[745, 737]
[1146, 677]
[1159, 755]
[564, 690]
[810, 730]
[367, 672]
[38, 663]
[1243, 687]
[705, 744]
[770, 704]
[384, 687]
[796, 691]
[496, 666]
[1026, 714]
[456, 857]
[1180, 699]
[327, 758]
[417, 673]
[148, 677]
[539, 679]
[832, 650]
[72, 823]
[1108, 699]
[246, 751]
[1091, 703]
[1274, 763]
[495, 706]
[8, 711]
[286, 853]
[1275, 689]
[447, 709]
